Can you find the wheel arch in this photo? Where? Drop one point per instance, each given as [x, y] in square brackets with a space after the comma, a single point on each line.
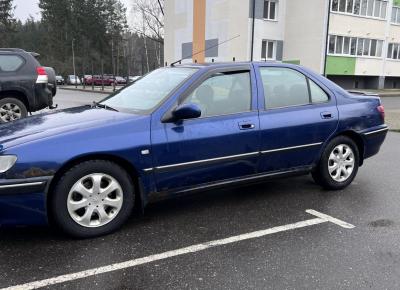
[125, 164]
[353, 135]
[21, 96]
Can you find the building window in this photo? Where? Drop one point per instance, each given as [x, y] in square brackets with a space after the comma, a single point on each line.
[353, 46]
[370, 8]
[396, 15]
[393, 51]
[270, 9]
[268, 49]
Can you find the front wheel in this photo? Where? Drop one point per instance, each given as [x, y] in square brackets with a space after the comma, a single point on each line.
[93, 198]
[338, 165]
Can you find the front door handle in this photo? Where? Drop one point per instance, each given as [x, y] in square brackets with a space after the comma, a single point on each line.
[326, 115]
[246, 126]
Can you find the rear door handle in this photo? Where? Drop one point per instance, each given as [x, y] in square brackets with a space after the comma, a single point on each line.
[326, 115]
[246, 126]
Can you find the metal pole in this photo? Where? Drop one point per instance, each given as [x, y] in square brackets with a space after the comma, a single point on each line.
[73, 63]
[327, 37]
[252, 31]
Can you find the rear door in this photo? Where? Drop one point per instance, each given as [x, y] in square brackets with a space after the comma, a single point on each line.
[222, 144]
[297, 115]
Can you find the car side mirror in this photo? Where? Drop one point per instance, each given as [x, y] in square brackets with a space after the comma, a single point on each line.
[183, 112]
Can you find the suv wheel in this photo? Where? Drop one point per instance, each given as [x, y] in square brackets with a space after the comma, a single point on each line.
[93, 198]
[338, 165]
[12, 109]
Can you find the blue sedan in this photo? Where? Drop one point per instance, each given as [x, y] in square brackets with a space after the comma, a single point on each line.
[178, 130]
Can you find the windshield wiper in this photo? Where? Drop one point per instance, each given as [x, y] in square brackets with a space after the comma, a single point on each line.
[98, 105]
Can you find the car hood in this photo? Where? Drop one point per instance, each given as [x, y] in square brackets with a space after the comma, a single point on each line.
[56, 122]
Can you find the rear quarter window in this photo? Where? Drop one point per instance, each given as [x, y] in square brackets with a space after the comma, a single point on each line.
[10, 63]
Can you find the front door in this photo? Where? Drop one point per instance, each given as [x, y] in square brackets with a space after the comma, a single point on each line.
[222, 144]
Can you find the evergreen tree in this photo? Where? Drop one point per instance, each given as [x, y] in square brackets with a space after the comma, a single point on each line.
[7, 21]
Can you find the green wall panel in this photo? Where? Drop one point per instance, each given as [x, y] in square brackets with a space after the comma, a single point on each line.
[340, 65]
[295, 61]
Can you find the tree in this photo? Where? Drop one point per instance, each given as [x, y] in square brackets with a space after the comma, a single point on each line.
[149, 17]
[7, 21]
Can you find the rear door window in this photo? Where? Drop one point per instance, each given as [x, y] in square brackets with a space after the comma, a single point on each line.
[10, 63]
[285, 87]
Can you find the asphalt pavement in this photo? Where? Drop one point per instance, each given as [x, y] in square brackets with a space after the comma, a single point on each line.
[254, 237]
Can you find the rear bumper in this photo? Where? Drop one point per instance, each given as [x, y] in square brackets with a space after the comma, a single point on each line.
[43, 97]
[373, 139]
[23, 201]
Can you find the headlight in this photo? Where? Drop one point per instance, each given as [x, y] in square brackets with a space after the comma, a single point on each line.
[6, 162]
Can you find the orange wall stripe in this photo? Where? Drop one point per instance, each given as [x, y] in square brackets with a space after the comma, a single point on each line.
[199, 30]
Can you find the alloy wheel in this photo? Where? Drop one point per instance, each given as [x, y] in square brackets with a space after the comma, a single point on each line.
[341, 163]
[10, 112]
[95, 200]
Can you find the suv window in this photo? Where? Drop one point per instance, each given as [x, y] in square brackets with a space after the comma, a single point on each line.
[222, 94]
[284, 87]
[10, 63]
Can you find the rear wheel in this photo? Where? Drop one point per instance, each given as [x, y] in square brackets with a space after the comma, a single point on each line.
[12, 109]
[338, 165]
[93, 198]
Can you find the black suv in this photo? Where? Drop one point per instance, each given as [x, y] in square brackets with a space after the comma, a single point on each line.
[24, 84]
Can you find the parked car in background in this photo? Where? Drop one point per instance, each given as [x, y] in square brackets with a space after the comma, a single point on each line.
[167, 134]
[86, 79]
[121, 80]
[134, 78]
[99, 80]
[24, 84]
[73, 80]
[60, 80]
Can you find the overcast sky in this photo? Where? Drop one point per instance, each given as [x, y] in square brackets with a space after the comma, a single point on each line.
[25, 8]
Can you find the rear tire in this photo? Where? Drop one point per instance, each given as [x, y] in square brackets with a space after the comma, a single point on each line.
[338, 165]
[92, 199]
[12, 109]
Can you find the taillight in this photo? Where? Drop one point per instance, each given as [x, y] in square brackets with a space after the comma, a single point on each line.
[42, 75]
[381, 109]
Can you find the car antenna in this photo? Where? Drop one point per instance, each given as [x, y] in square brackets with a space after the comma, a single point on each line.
[190, 56]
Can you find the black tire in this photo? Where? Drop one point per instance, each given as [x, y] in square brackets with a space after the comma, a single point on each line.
[321, 173]
[59, 197]
[15, 102]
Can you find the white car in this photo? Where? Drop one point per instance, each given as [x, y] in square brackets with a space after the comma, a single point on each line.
[73, 80]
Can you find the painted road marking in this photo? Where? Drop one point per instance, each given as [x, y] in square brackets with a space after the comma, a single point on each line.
[320, 218]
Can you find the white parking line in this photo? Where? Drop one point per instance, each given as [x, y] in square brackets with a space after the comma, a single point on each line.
[321, 218]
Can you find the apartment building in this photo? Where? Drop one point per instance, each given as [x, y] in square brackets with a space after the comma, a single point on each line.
[356, 43]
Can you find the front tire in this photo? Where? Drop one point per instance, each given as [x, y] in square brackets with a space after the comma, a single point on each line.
[12, 109]
[338, 165]
[93, 198]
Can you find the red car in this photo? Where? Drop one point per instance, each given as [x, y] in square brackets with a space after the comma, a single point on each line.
[97, 80]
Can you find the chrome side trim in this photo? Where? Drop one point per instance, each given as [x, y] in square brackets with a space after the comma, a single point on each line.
[177, 165]
[291, 148]
[22, 184]
[377, 131]
[207, 160]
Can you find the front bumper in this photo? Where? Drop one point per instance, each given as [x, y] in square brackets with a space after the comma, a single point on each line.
[23, 201]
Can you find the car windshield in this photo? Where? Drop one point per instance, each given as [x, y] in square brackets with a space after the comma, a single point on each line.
[148, 92]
